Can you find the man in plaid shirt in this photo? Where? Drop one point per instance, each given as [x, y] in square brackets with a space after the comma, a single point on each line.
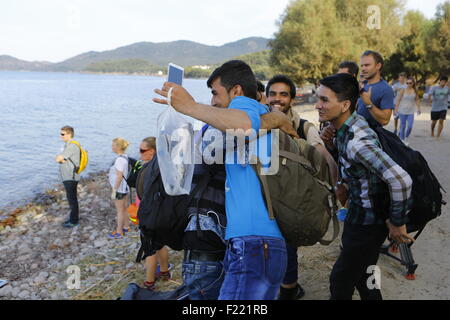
[378, 189]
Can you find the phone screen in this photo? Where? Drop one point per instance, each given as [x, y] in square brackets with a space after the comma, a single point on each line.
[175, 74]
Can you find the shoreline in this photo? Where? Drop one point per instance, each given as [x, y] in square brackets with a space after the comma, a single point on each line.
[36, 251]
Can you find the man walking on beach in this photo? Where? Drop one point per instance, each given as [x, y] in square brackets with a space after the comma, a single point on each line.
[377, 97]
[255, 261]
[440, 96]
[69, 161]
[369, 173]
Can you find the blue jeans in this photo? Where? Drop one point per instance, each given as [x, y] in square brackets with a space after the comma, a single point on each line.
[203, 280]
[254, 268]
[406, 119]
[291, 275]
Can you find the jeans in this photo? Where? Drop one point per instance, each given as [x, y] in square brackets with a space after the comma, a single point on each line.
[202, 281]
[71, 192]
[254, 268]
[291, 275]
[406, 119]
[361, 245]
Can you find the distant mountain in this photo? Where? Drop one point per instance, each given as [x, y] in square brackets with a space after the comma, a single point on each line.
[13, 64]
[184, 53]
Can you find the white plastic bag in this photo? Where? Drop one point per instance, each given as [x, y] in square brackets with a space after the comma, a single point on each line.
[175, 148]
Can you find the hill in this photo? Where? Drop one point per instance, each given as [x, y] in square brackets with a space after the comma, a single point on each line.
[184, 53]
[9, 63]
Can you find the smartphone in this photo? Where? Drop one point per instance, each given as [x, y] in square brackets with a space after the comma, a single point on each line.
[175, 74]
[3, 283]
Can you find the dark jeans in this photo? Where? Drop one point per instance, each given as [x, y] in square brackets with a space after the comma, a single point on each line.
[202, 281]
[254, 268]
[71, 192]
[291, 275]
[361, 245]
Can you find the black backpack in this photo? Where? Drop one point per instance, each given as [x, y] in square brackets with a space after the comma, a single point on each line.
[426, 190]
[134, 166]
[163, 218]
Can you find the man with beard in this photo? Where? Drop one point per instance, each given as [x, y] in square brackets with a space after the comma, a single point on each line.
[377, 96]
[281, 92]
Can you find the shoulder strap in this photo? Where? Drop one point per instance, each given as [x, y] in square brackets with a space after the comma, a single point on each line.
[265, 185]
[303, 129]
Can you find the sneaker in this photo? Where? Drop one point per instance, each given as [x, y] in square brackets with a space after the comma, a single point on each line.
[125, 231]
[115, 235]
[70, 225]
[292, 293]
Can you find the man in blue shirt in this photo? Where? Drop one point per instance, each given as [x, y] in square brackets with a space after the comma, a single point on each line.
[255, 261]
[377, 97]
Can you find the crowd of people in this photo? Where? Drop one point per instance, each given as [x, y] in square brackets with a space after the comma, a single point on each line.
[241, 254]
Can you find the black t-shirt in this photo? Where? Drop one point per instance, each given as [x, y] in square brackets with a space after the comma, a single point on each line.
[209, 241]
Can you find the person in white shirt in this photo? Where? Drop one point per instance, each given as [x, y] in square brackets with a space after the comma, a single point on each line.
[117, 175]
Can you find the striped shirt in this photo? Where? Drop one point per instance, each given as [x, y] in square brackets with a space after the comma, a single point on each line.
[379, 189]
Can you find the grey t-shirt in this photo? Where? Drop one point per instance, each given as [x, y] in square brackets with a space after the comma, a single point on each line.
[67, 169]
[397, 87]
[440, 98]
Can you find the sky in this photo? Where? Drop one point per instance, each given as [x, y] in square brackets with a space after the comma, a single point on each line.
[55, 30]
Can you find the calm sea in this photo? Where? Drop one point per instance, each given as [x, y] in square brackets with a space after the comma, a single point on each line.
[34, 106]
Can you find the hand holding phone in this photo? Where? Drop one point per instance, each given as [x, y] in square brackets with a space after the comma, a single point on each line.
[175, 74]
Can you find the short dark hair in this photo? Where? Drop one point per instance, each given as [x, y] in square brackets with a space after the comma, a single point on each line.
[378, 57]
[351, 66]
[402, 74]
[261, 86]
[233, 73]
[69, 130]
[283, 79]
[444, 78]
[345, 86]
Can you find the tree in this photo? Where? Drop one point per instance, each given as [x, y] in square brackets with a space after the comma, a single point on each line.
[315, 35]
[410, 54]
[437, 41]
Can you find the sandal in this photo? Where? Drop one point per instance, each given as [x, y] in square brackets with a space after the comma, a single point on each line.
[149, 285]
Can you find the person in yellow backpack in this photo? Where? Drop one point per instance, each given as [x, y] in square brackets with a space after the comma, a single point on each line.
[69, 163]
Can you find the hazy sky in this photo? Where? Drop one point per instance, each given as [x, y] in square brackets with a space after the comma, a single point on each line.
[55, 30]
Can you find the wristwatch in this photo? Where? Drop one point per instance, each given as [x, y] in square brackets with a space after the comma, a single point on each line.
[369, 106]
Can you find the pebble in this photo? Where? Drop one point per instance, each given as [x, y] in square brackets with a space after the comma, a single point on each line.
[6, 291]
[108, 270]
[100, 243]
[25, 294]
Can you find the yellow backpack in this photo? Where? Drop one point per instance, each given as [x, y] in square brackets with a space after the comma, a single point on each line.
[83, 158]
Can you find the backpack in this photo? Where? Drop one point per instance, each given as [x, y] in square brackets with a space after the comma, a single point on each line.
[162, 218]
[426, 190]
[300, 196]
[84, 159]
[303, 129]
[134, 166]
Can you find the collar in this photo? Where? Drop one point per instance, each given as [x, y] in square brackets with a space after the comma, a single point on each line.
[294, 117]
[346, 126]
